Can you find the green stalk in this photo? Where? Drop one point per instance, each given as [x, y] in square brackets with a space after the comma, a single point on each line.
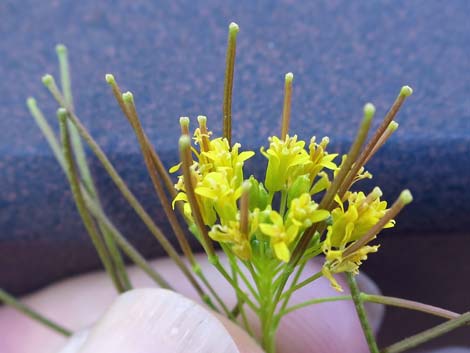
[405, 92]
[80, 203]
[380, 299]
[313, 302]
[49, 82]
[409, 304]
[238, 291]
[287, 105]
[325, 203]
[128, 249]
[240, 303]
[57, 151]
[228, 82]
[77, 145]
[295, 287]
[80, 157]
[267, 306]
[361, 313]
[427, 335]
[116, 257]
[11, 301]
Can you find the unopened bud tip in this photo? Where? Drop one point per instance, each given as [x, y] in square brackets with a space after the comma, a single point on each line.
[406, 196]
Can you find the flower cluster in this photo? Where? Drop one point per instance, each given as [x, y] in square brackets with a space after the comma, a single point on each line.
[280, 209]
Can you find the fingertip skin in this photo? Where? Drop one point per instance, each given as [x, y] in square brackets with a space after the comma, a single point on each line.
[158, 320]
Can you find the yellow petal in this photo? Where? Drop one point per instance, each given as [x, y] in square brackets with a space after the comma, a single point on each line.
[328, 275]
[175, 168]
[282, 251]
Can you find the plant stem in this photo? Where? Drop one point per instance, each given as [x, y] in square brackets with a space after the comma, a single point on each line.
[328, 198]
[428, 335]
[361, 313]
[80, 203]
[315, 301]
[240, 302]
[287, 105]
[80, 157]
[57, 151]
[409, 304]
[404, 93]
[268, 306]
[48, 80]
[295, 287]
[131, 113]
[228, 82]
[242, 294]
[186, 163]
[404, 199]
[11, 301]
[130, 251]
[380, 299]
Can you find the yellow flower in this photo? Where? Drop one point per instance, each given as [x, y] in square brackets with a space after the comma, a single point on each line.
[347, 227]
[285, 159]
[281, 236]
[320, 158]
[230, 233]
[220, 158]
[303, 212]
[361, 174]
[218, 176]
[214, 190]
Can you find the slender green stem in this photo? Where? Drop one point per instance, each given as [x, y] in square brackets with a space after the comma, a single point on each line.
[229, 279]
[80, 203]
[405, 92]
[228, 83]
[49, 82]
[296, 287]
[128, 249]
[283, 203]
[198, 271]
[287, 295]
[238, 271]
[162, 172]
[390, 301]
[11, 301]
[409, 304]
[361, 313]
[315, 301]
[240, 303]
[77, 145]
[287, 105]
[119, 265]
[46, 130]
[327, 200]
[57, 151]
[428, 335]
[131, 113]
[80, 157]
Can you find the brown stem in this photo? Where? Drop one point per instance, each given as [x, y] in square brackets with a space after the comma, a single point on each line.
[365, 155]
[186, 160]
[163, 173]
[404, 199]
[427, 335]
[49, 82]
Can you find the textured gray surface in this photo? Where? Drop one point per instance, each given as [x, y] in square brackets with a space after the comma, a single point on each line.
[171, 54]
